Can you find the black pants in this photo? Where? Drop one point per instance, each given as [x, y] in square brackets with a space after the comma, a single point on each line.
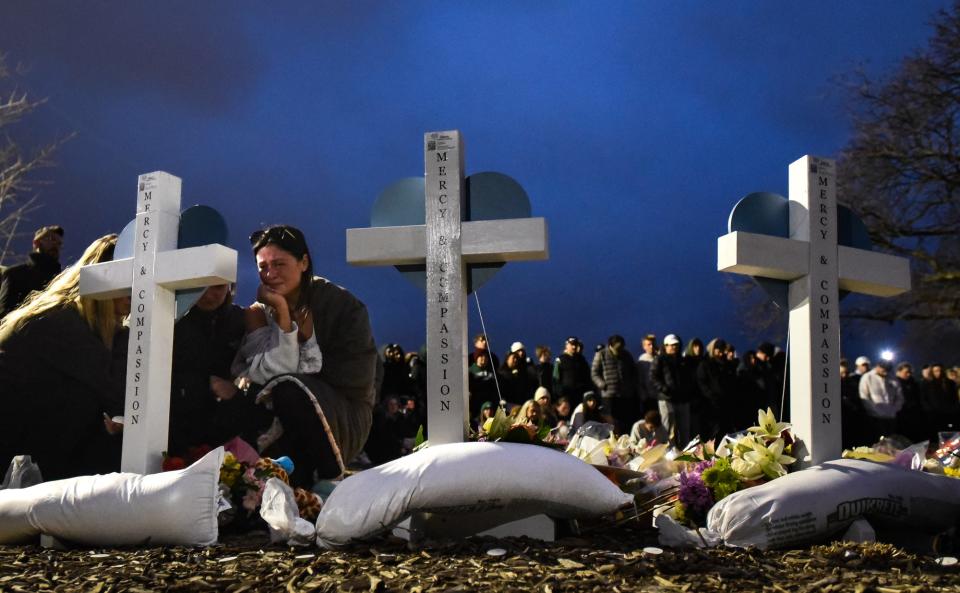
[304, 440]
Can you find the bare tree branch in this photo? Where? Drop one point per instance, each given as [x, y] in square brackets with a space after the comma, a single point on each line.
[18, 167]
[901, 172]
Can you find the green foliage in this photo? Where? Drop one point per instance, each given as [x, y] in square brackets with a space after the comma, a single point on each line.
[499, 427]
[721, 479]
[419, 438]
[543, 431]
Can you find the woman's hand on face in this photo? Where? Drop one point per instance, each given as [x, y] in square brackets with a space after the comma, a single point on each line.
[304, 320]
[274, 299]
[271, 298]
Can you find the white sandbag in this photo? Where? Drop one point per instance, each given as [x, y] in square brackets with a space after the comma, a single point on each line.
[674, 535]
[278, 507]
[507, 481]
[176, 508]
[825, 499]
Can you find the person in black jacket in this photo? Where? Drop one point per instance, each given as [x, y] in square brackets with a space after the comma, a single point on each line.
[44, 263]
[571, 372]
[518, 380]
[62, 368]
[718, 387]
[481, 379]
[204, 407]
[674, 383]
[854, 423]
[396, 374]
[544, 367]
[910, 419]
[938, 396]
[385, 442]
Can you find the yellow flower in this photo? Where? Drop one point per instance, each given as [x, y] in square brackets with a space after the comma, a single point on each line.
[768, 425]
[867, 453]
[230, 470]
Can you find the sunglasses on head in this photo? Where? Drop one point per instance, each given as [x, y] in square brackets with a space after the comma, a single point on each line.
[276, 233]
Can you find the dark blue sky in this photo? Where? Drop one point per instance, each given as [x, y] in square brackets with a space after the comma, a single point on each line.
[634, 128]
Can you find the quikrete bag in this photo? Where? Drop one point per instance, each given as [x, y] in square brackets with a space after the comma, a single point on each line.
[488, 483]
[821, 501]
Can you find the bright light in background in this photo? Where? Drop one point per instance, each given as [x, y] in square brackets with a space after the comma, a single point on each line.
[887, 355]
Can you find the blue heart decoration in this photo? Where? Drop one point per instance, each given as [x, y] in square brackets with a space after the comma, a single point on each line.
[489, 196]
[199, 225]
[769, 214]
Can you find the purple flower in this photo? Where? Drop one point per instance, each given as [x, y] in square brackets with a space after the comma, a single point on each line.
[703, 465]
[694, 494]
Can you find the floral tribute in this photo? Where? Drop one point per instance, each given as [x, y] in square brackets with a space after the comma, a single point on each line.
[943, 459]
[242, 482]
[712, 474]
[504, 428]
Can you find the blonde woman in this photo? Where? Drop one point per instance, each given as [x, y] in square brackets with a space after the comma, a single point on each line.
[61, 376]
[529, 414]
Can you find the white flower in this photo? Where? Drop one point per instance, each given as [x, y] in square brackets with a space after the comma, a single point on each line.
[746, 468]
[770, 460]
[745, 443]
[768, 425]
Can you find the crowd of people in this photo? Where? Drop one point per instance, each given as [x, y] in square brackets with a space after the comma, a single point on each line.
[671, 392]
[297, 373]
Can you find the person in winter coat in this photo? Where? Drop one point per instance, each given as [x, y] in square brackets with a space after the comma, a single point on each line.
[938, 397]
[206, 408]
[588, 411]
[16, 282]
[310, 344]
[482, 382]
[518, 381]
[571, 372]
[615, 374]
[544, 367]
[718, 387]
[675, 384]
[62, 372]
[396, 374]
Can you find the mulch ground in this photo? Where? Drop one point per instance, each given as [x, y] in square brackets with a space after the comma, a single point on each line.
[611, 562]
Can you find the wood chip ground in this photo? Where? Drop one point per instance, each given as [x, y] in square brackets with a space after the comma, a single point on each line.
[609, 563]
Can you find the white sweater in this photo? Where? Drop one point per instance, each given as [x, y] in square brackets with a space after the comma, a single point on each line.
[882, 396]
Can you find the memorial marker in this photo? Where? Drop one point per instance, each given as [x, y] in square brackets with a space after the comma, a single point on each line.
[156, 270]
[447, 245]
[817, 268]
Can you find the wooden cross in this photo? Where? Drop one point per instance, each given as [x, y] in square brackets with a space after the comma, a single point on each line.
[817, 268]
[447, 244]
[156, 270]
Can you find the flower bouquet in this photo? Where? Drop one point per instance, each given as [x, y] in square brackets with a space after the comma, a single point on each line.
[711, 474]
[636, 467]
[944, 460]
[242, 483]
[505, 429]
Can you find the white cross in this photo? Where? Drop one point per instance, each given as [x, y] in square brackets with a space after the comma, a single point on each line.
[156, 270]
[447, 245]
[817, 269]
